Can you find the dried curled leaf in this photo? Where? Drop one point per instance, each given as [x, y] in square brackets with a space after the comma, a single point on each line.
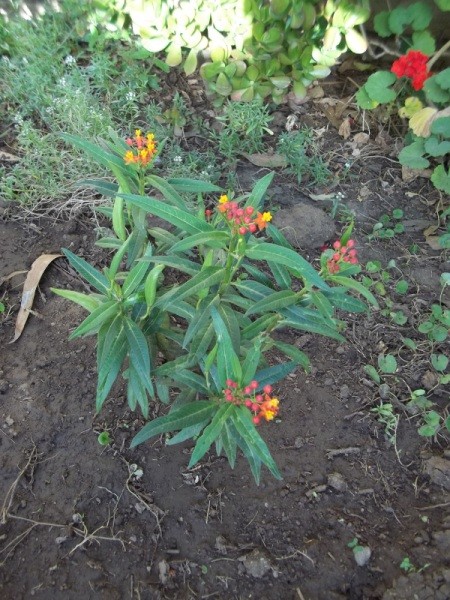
[29, 290]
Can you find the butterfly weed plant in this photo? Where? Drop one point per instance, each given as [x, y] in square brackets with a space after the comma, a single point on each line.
[238, 281]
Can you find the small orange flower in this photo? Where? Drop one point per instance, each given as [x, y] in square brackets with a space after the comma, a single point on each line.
[145, 146]
[269, 408]
[262, 220]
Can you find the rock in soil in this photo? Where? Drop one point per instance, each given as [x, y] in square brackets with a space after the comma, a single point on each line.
[439, 471]
[305, 226]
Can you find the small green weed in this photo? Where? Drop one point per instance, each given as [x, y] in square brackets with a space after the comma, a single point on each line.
[303, 156]
[386, 416]
[388, 225]
[407, 566]
[436, 324]
[244, 126]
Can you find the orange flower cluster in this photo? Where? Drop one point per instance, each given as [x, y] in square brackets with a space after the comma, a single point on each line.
[262, 405]
[414, 66]
[143, 149]
[243, 220]
[344, 253]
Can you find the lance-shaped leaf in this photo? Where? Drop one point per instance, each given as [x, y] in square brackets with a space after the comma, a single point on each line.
[168, 191]
[256, 197]
[228, 444]
[182, 264]
[87, 301]
[271, 375]
[92, 323]
[251, 362]
[294, 354]
[290, 259]
[111, 351]
[354, 285]
[137, 274]
[213, 239]
[204, 280]
[185, 416]
[340, 300]
[187, 433]
[242, 420]
[274, 302]
[182, 219]
[139, 354]
[194, 186]
[228, 364]
[200, 318]
[211, 433]
[92, 276]
[190, 379]
[249, 452]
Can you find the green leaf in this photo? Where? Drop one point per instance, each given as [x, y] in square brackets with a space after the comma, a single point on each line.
[137, 274]
[281, 275]
[443, 4]
[200, 318]
[372, 373]
[89, 302]
[92, 323]
[377, 87]
[207, 278]
[443, 80]
[211, 433]
[213, 239]
[273, 302]
[364, 100]
[167, 190]
[439, 361]
[193, 186]
[115, 163]
[187, 433]
[190, 379]
[229, 444]
[185, 416]
[251, 362]
[249, 452]
[344, 302]
[387, 363]
[111, 351]
[381, 24]
[441, 126]
[434, 147]
[242, 420]
[139, 353]
[182, 219]
[256, 197]
[273, 374]
[229, 317]
[298, 266]
[423, 41]
[441, 179]
[293, 353]
[412, 156]
[435, 92]
[92, 276]
[182, 264]
[228, 363]
[190, 64]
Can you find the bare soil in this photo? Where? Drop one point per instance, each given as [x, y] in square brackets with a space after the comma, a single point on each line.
[82, 521]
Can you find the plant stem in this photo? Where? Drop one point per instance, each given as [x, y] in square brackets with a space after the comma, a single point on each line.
[437, 55]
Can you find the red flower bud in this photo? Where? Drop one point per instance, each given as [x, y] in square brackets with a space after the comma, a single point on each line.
[267, 389]
[243, 230]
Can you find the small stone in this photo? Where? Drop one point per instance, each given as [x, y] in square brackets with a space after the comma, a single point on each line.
[337, 482]
[257, 564]
[139, 507]
[384, 391]
[438, 469]
[9, 421]
[442, 541]
[299, 442]
[4, 386]
[305, 226]
[344, 392]
[362, 555]
[328, 382]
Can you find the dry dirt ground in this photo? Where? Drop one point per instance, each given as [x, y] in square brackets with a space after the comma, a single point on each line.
[82, 521]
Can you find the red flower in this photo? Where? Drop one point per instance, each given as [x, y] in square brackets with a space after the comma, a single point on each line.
[414, 66]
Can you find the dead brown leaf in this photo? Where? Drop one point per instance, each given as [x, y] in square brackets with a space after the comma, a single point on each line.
[433, 242]
[29, 290]
[272, 161]
[361, 138]
[7, 157]
[411, 174]
[345, 129]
